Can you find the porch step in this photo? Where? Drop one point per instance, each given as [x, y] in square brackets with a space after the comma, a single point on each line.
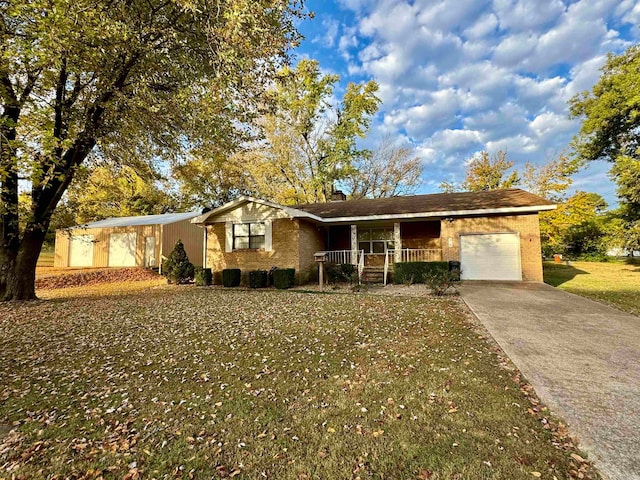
[373, 275]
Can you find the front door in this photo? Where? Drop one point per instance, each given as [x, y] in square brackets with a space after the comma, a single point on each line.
[375, 242]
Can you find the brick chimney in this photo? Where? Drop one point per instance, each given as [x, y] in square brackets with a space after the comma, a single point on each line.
[337, 196]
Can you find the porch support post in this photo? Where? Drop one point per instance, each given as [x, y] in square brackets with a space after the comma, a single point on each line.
[397, 242]
[354, 244]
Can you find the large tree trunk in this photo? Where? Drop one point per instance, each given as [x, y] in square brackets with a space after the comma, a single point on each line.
[20, 276]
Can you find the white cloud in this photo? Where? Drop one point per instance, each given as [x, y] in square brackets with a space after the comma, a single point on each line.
[456, 141]
[548, 123]
[526, 15]
[484, 26]
[331, 27]
[459, 76]
[584, 76]
[515, 49]
[348, 41]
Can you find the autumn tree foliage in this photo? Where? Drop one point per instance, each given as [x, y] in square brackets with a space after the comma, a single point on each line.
[610, 131]
[136, 79]
[310, 141]
[485, 172]
[572, 227]
[114, 191]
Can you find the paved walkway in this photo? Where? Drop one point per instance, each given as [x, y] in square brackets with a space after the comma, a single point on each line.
[582, 357]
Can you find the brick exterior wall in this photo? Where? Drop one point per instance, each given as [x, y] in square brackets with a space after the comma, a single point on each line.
[293, 244]
[294, 241]
[311, 240]
[526, 225]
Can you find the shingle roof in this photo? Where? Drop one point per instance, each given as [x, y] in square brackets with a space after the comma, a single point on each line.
[164, 219]
[432, 203]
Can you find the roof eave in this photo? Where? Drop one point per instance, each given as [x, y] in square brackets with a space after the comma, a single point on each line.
[447, 213]
[292, 212]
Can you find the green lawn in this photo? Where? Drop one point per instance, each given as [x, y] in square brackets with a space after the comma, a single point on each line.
[615, 283]
[179, 381]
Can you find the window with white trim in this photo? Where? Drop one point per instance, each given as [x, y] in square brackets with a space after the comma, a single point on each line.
[375, 240]
[249, 236]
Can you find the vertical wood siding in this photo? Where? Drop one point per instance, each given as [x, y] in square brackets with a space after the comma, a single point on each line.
[191, 235]
[101, 243]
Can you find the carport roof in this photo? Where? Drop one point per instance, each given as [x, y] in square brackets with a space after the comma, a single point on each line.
[164, 219]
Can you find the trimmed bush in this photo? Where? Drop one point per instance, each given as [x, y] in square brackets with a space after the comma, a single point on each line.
[414, 272]
[284, 278]
[203, 276]
[177, 267]
[339, 272]
[258, 278]
[231, 277]
[439, 282]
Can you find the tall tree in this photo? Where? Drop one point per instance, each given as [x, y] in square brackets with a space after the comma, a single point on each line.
[485, 172]
[610, 127]
[117, 191]
[310, 140]
[210, 181]
[574, 220]
[389, 170]
[141, 77]
[552, 179]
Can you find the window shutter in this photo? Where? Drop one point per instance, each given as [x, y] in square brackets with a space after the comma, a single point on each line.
[268, 236]
[228, 244]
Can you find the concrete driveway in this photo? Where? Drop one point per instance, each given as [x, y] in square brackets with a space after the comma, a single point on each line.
[582, 357]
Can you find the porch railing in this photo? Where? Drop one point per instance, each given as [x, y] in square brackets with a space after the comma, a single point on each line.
[357, 258]
[418, 254]
[340, 256]
[345, 257]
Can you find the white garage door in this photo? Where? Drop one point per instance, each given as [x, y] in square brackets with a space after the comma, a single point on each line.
[122, 250]
[81, 251]
[494, 256]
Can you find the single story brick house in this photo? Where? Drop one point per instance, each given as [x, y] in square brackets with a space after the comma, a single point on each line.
[139, 241]
[494, 234]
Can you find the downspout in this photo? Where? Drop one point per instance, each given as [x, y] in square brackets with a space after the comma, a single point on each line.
[161, 254]
[204, 247]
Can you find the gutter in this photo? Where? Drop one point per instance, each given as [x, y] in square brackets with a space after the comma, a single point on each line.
[446, 213]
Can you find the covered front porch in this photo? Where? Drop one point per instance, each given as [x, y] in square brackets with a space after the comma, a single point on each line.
[374, 247]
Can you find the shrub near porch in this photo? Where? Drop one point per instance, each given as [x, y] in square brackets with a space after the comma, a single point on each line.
[208, 383]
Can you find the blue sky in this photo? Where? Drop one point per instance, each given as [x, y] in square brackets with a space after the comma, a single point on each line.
[460, 76]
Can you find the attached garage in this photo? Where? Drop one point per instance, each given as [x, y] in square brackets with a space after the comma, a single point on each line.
[128, 241]
[490, 256]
